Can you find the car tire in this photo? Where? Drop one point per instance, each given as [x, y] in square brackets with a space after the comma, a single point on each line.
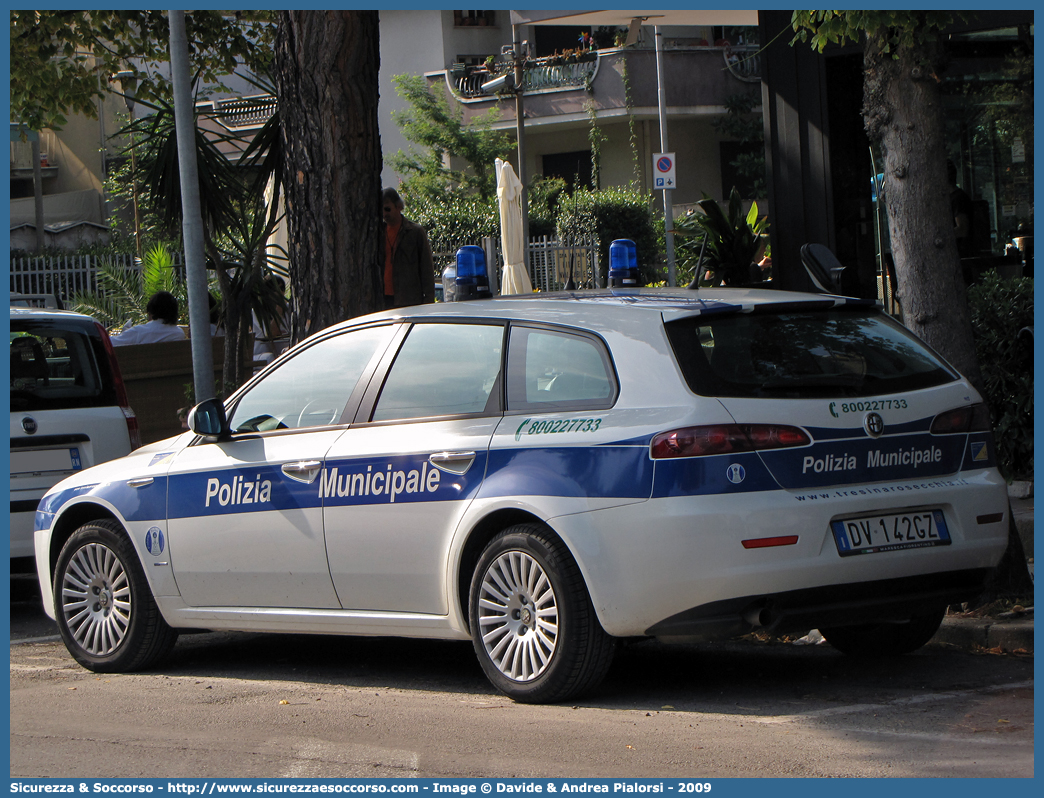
[105, 610]
[534, 629]
[885, 639]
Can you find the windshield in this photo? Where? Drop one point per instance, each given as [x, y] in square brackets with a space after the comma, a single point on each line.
[836, 353]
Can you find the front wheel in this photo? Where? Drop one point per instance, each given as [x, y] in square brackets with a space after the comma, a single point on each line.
[106, 614]
[885, 639]
[534, 630]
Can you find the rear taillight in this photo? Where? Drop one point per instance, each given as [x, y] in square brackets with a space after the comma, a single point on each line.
[973, 418]
[725, 439]
[133, 432]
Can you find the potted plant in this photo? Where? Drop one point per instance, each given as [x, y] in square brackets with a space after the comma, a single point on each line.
[731, 241]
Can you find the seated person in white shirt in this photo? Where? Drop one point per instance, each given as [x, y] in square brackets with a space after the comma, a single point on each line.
[162, 325]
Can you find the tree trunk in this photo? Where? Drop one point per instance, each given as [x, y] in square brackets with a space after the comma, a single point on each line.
[326, 66]
[903, 114]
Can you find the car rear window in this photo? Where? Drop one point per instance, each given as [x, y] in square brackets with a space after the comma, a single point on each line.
[57, 365]
[839, 352]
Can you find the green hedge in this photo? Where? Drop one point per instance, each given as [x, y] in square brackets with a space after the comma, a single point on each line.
[613, 213]
[1001, 310]
[465, 219]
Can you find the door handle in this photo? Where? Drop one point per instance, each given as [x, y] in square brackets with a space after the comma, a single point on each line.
[302, 471]
[452, 462]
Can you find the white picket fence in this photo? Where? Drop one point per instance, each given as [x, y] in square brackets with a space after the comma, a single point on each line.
[550, 261]
[66, 275]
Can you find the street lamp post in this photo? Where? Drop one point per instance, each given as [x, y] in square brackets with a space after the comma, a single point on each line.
[129, 82]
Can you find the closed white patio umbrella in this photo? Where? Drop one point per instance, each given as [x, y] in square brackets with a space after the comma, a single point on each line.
[509, 189]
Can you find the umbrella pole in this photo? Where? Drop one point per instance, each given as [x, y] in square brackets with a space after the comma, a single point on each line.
[520, 135]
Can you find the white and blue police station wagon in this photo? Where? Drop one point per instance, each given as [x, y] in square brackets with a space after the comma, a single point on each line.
[544, 476]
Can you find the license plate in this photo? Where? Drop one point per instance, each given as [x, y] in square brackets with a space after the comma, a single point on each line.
[43, 460]
[878, 533]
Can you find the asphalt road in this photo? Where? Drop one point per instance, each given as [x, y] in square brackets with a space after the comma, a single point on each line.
[244, 705]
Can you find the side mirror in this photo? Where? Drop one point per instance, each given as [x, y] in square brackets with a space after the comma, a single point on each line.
[208, 418]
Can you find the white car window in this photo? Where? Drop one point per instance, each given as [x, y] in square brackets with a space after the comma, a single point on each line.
[441, 370]
[311, 388]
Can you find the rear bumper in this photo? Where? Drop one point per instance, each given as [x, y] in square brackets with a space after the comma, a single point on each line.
[885, 600]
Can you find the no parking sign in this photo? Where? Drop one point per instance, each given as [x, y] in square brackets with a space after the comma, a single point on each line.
[663, 170]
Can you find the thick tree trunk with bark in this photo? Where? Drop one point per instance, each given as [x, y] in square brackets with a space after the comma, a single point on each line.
[903, 115]
[326, 66]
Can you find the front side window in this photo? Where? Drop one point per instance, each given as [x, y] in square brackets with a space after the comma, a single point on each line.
[558, 370]
[809, 354]
[312, 388]
[443, 370]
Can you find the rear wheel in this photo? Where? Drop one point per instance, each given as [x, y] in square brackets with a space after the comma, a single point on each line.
[534, 630]
[105, 611]
[885, 639]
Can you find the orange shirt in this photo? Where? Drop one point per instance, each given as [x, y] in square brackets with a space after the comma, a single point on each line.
[390, 234]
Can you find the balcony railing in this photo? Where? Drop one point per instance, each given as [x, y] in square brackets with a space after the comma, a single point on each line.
[559, 73]
[743, 62]
[540, 74]
[245, 113]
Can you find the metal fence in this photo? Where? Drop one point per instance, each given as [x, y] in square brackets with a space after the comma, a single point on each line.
[550, 264]
[62, 275]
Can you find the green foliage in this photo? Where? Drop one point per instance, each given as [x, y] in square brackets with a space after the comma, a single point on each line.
[741, 124]
[595, 137]
[124, 293]
[160, 178]
[729, 242]
[889, 30]
[1000, 309]
[609, 214]
[119, 193]
[440, 130]
[62, 61]
[544, 194]
[452, 222]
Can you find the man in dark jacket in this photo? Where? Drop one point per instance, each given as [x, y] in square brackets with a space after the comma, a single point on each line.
[405, 257]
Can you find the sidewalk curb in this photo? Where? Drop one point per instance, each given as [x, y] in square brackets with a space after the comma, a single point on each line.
[987, 633]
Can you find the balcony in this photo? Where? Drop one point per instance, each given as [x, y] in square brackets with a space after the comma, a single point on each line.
[697, 76]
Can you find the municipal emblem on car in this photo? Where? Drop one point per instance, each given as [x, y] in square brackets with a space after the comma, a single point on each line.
[873, 424]
[736, 474]
[29, 425]
[154, 541]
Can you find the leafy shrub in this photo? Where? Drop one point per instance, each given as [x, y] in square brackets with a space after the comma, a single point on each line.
[1000, 310]
[545, 195]
[728, 243]
[454, 221]
[609, 214]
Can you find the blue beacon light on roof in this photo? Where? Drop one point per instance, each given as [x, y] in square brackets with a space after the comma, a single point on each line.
[623, 264]
[472, 277]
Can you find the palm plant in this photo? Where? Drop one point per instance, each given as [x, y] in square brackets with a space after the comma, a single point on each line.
[123, 293]
[723, 244]
[236, 223]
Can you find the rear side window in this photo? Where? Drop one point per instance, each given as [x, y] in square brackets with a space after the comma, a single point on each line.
[552, 369]
[803, 354]
[57, 365]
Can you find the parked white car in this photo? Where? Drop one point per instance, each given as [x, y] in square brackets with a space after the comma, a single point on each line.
[69, 410]
[545, 475]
